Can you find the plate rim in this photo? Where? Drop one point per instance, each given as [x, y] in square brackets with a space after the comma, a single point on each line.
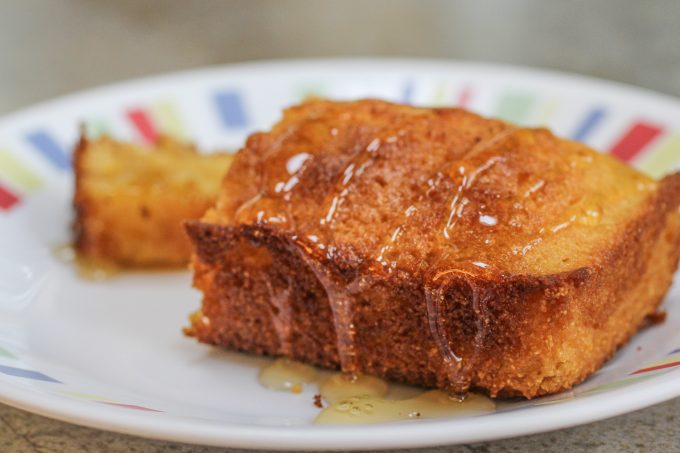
[651, 391]
[610, 86]
[418, 434]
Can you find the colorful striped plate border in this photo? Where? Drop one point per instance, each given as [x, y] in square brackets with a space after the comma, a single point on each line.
[50, 320]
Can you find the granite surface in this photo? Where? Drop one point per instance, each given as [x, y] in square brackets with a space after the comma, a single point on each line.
[53, 47]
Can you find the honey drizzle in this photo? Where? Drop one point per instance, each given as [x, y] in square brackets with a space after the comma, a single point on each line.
[589, 217]
[435, 293]
[339, 387]
[340, 300]
[247, 205]
[364, 399]
[281, 310]
[458, 368]
[366, 409]
[340, 294]
[356, 166]
[287, 375]
[88, 268]
[434, 297]
[397, 233]
[459, 200]
[282, 316]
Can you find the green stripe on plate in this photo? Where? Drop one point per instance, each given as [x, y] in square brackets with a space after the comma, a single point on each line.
[5, 353]
[514, 106]
[95, 128]
[310, 89]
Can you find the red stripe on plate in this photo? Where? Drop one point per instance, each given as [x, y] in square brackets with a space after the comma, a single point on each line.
[7, 198]
[654, 368]
[464, 97]
[129, 406]
[144, 125]
[634, 140]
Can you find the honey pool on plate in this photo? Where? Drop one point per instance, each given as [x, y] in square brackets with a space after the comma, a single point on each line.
[88, 268]
[362, 399]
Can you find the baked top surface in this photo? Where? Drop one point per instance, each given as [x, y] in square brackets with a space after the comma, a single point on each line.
[392, 187]
[104, 165]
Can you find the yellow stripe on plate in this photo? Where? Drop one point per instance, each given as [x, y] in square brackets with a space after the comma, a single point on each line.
[663, 158]
[168, 120]
[547, 111]
[664, 361]
[17, 173]
[85, 396]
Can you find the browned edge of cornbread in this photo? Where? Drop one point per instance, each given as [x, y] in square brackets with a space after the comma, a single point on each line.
[542, 334]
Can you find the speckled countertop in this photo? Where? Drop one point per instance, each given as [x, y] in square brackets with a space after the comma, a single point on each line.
[48, 48]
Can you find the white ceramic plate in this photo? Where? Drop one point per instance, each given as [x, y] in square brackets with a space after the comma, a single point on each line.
[111, 355]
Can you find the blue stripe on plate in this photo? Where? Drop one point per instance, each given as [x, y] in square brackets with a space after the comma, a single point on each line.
[29, 374]
[49, 148]
[589, 124]
[230, 109]
[407, 93]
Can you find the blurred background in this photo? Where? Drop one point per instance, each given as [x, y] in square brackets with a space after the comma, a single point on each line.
[52, 47]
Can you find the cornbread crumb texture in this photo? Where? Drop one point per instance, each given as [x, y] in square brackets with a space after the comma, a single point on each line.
[130, 200]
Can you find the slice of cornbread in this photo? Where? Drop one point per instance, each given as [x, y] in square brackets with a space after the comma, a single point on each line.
[130, 200]
[433, 247]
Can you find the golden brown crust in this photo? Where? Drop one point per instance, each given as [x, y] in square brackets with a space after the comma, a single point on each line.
[552, 261]
[130, 201]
